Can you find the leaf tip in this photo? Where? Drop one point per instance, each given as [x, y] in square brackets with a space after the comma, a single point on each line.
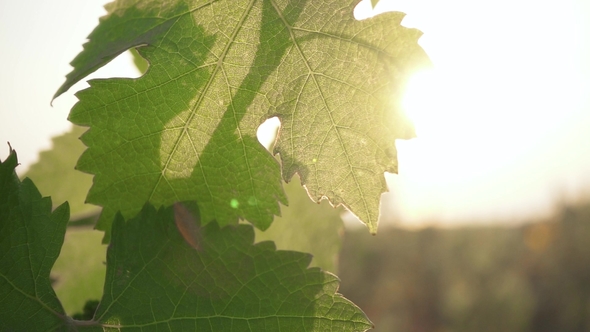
[372, 228]
[12, 159]
[63, 88]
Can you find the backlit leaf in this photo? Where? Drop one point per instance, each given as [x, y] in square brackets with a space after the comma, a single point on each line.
[156, 280]
[226, 284]
[313, 228]
[186, 130]
[30, 239]
[55, 176]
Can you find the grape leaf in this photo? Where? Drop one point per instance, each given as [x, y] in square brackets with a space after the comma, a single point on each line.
[186, 130]
[313, 228]
[304, 227]
[156, 280]
[30, 240]
[223, 283]
[55, 176]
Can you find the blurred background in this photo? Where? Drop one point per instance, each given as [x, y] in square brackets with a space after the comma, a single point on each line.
[534, 277]
[487, 225]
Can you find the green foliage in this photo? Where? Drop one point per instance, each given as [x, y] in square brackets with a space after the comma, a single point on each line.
[55, 176]
[30, 239]
[141, 64]
[312, 228]
[186, 130]
[225, 283]
[172, 279]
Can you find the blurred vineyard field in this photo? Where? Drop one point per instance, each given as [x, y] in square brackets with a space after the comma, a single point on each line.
[528, 278]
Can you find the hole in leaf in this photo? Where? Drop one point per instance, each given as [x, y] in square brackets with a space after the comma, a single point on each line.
[267, 132]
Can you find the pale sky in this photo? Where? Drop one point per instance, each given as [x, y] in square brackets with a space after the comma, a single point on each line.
[38, 39]
[503, 118]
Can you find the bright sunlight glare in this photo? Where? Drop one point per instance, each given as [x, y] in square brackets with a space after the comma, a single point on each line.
[494, 116]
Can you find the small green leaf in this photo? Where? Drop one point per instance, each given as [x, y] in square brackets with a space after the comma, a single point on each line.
[139, 62]
[30, 240]
[55, 176]
[374, 3]
[157, 281]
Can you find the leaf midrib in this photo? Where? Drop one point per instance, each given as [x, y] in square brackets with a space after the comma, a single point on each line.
[197, 105]
[33, 298]
[334, 125]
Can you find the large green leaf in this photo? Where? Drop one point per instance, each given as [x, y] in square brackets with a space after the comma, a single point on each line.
[156, 280]
[30, 240]
[221, 281]
[186, 130]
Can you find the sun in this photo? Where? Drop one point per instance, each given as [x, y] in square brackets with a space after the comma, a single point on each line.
[498, 113]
